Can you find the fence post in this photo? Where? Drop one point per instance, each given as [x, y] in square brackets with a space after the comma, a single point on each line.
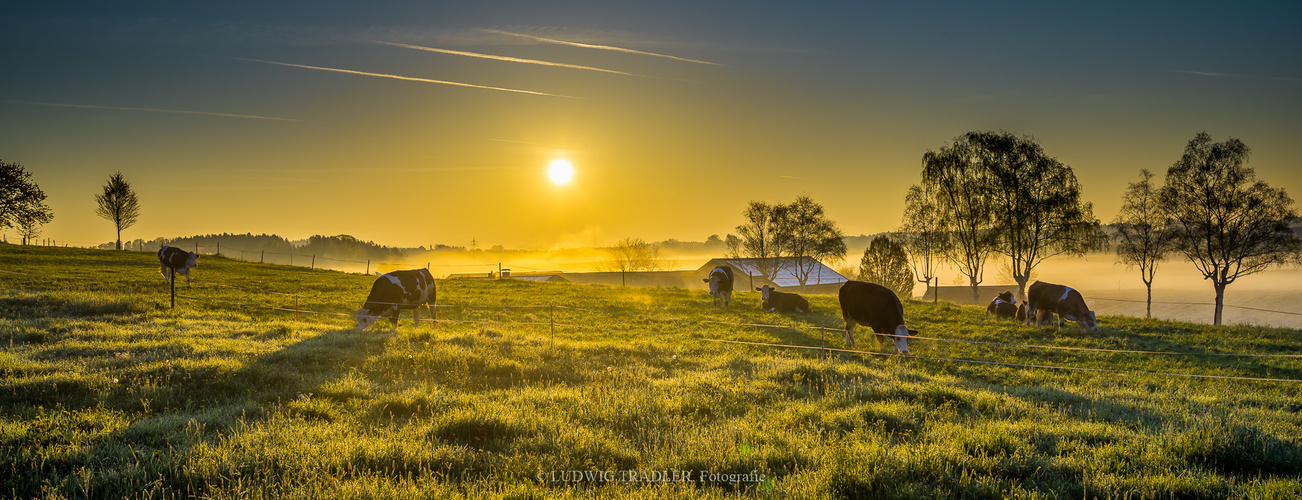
[368, 266]
[313, 266]
[551, 313]
[172, 272]
[196, 247]
[262, 256]
[219, 248]
[823, 331]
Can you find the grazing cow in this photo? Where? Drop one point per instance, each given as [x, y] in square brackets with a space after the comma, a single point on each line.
[720, 281]
[773, 300]
[394, 291]
[878, 307]
[180, 261]
[1045, 299]
[1004, 306]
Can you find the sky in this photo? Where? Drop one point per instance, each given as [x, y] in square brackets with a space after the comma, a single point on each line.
[422, 123]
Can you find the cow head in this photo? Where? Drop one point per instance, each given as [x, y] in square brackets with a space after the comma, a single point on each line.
[901, 338]
[1006, 297]
[365, 319]
[192, 261]
[764, 292]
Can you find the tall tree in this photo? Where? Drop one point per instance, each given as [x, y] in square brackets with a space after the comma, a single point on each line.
[1226, 222]
[954, 173]
[923, 233]
[757, 238]
[885, 263]
[1142, 237]
[1036, 203]
[118, 204]
[22, 203]
[634, 254]
[806, 236]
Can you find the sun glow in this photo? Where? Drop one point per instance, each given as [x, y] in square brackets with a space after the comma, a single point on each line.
[561, 172]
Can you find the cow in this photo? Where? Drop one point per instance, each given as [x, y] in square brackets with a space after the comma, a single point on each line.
[775, 301]
[397, 290]
[720, 281]
[1005, 307]
[1045, 299]
[877, 307]
[177, 260]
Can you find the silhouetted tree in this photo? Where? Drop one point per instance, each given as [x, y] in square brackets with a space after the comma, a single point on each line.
[885, 263]
[962, 188]
[22, 203]
[1226, 222]
[757, 237]
[1142, 236]
[118, 204]
[806, 236]
[634, 254]
[1036, 203]
[923, 233]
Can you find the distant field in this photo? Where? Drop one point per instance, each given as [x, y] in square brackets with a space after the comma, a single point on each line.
[107, 393]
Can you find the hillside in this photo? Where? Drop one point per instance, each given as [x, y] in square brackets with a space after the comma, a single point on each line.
[256, 385]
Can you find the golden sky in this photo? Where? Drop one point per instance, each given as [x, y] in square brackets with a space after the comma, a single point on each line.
[416, 124]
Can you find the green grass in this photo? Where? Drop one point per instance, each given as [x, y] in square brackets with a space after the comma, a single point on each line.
[108, 393]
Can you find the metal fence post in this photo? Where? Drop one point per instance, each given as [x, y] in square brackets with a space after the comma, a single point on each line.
[172, 272]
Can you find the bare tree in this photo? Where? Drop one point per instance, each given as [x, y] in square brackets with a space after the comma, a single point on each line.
[923, 233]
[1226, 222]
[1142, 237]
[29, 229]
[1036, 203]
[634, 254]
[806, 236]
[885, 263]
[118, 204]
[962, 195]
[22, 203]
[757, 238]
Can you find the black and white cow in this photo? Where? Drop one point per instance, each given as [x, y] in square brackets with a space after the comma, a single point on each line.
[1003, 306]
[775, 301]
[720, 281]
[177, 260]
[397, 290]
[878, 307]
[1045, 299]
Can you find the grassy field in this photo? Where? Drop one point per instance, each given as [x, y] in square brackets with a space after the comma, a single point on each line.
[108, 393]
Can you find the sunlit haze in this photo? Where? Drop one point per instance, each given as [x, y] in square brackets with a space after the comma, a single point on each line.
[561, 172]
[423, 123]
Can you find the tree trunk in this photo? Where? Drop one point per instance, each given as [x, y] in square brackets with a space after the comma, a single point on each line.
[1021, 288]
[119, 239]
[1220, 302]
[976, 293]
[1149, 313]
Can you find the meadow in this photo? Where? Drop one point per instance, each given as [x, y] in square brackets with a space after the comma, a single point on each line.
[602, 392]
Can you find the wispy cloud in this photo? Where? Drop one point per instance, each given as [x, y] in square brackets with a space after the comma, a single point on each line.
[404, 78]
[155, 110]
[1232, 75]
[601, 47]
[505, 58]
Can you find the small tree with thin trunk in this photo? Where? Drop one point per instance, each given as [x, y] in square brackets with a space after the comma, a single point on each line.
[118, 204]
[885, 263]
[806, 236]
[963, 198]
[757, 238]
[1225, 221]
[1142, 237]
[923, 233]
[634, 254]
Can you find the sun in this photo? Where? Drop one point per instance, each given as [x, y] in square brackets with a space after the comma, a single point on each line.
[561, 172]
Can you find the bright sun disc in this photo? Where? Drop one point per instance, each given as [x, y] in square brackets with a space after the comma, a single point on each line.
[560, 172]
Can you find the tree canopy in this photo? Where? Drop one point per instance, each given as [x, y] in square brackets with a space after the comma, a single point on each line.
[22, 203]
[885, 263]
[118, 204]
[1225, 221]
[1142, 237]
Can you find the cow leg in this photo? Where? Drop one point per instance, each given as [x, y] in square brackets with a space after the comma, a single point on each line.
[849, 331]
[415, 314]
[727, 301]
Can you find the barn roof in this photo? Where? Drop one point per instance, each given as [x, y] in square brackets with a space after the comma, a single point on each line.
[786, 277]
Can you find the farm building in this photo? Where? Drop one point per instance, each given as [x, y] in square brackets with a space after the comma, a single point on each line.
[748, 274]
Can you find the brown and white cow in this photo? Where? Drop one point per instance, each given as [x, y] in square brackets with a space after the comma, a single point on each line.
[775, 301]
[1045, 299]
[720, 281]
[177, 260]
[878, 307]
[397, 290]
[1004, 306]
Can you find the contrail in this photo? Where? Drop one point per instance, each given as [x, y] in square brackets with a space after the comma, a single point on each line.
[155, 110]
[601, 47]
[505, 58]
[400, 77]
[1231, 75]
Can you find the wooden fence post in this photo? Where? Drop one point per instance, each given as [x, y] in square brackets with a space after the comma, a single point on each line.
[262, 256]
[313, 261]
[368, 266]
[172, 272]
